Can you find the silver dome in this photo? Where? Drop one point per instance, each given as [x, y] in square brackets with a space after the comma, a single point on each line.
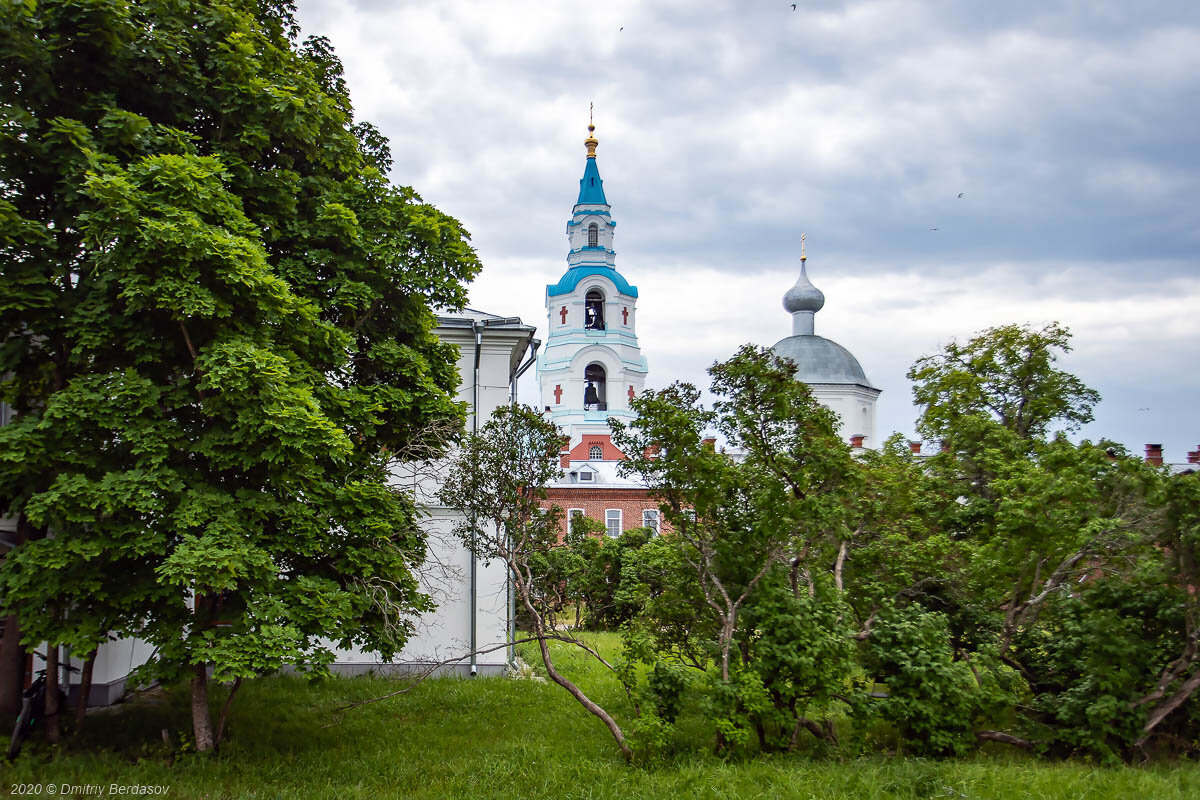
[819, 360]
[803, 296]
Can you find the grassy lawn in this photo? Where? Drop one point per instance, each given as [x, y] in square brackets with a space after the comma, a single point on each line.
[496, 738]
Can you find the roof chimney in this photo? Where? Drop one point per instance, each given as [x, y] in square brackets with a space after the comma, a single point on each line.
[710, 442]
[1154, 454]
[856, 440]
[915, 447]
[1193, 457]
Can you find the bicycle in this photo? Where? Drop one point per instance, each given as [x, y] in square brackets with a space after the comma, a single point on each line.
[33, 710]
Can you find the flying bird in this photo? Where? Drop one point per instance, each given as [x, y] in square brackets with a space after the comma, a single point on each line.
[793, 6]
[933, 229]
[960, 194]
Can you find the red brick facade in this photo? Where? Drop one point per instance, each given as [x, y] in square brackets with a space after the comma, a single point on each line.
[596, 501]
[582, 451]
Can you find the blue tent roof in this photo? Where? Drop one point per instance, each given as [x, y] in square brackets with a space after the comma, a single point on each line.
[567, 283]
[591, 188]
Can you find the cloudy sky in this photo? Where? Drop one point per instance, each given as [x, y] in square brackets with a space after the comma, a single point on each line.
[1070, 128]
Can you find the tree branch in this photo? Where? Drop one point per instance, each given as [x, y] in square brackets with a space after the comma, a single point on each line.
[1003, 738]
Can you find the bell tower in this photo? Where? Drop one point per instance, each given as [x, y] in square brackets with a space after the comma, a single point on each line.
[590, 366]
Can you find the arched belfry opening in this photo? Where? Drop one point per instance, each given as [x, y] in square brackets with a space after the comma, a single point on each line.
[595, 397]
[593, 310]
[593, 235]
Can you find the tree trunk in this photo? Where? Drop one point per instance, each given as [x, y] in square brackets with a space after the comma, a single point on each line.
[221, 720]
[539, 630]
[12, 671]
[1173, 702]
[839, 564]
[201, 720]
[85, 689]
[12, 654]
[761, 732]
[51, 716]
[812, 727]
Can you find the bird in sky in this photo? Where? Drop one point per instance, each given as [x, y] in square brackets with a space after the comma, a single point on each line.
[934, 229]
[960, 194]
[793, 6]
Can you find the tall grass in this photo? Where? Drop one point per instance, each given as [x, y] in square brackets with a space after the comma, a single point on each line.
[497, 738]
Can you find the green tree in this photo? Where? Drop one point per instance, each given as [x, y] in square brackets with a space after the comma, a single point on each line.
[1076, 555]
[498, 478]
[1005, 374]
[751, 527]
[215, 333]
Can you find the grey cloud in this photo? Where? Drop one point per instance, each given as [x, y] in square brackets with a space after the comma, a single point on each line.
[726, 128]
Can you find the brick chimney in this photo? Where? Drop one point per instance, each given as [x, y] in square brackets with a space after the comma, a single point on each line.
[1193, 457]
[945, 446]
[915, 447]
[710, 442]
[1154, 454]
[856, 440]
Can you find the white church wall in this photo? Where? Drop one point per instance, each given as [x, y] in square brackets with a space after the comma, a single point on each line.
[445, 632]
[854, 406]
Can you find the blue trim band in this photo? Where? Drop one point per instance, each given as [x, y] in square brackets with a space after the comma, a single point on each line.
[569, 281]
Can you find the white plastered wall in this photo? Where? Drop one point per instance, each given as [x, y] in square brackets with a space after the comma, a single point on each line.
[445, 632]
[855, 407]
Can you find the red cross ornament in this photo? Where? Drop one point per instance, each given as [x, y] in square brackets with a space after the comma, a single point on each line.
[631, 391]
[562, 312]
[558, 394]
[625, 315]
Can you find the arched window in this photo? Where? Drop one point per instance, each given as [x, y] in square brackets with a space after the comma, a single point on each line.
[593, 310]
[595, 453]
[594, 397]
[593, 235]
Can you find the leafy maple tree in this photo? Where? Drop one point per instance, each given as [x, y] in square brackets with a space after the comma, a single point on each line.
[215, 331]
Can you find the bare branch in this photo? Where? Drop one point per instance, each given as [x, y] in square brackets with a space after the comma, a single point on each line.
[1003, 738]
[838, 564]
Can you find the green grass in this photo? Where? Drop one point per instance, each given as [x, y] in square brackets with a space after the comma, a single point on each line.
[496, 738]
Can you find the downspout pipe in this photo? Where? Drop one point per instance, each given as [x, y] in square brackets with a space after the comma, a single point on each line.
[477, 329]
[534, 344]
[511, 622]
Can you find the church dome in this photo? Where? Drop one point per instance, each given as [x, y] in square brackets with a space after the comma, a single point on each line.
[818, 360]
[803, 296]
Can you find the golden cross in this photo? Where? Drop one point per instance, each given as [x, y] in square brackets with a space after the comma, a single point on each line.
[590, 120]
[802, 255]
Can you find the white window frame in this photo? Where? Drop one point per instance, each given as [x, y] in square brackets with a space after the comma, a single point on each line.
[657, 526]
[587, 476]
[608, 520]
[595, 453]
